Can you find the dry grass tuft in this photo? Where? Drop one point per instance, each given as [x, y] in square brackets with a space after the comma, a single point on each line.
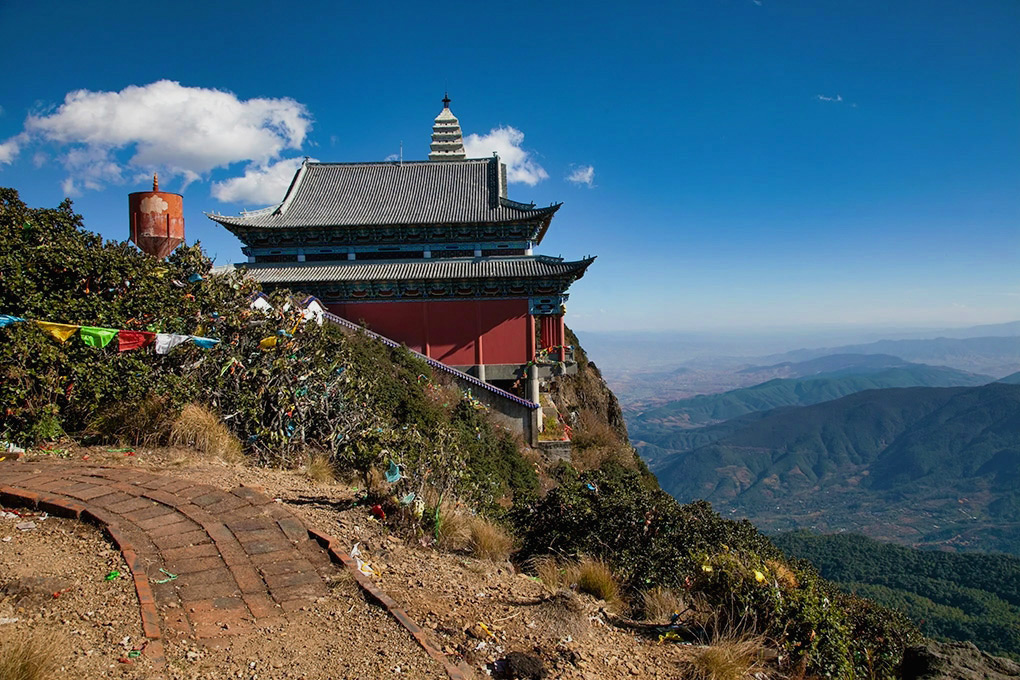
[729, 659]
[597, 579]
[786, 576]
[140, 423]
[453, 529]
[201, 429]
[555, 574]
[659, 604]
[29, 657]
[320, 469]
[490, 541]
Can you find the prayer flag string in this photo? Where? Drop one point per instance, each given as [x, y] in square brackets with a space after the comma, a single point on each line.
[127, 340]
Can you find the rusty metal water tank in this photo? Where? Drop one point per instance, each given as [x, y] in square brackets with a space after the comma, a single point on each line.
[157, 220]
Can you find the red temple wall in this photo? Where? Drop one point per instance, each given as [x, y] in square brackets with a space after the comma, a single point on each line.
[448, 330]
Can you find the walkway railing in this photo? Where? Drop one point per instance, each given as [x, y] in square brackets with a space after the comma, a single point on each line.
[438, 365]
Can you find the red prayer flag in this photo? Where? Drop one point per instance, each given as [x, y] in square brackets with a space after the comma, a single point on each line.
[134, 339]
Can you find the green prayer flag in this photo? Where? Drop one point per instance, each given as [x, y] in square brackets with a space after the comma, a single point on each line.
[97, 337]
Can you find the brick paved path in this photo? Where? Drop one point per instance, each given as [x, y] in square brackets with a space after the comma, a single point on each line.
[239, 557]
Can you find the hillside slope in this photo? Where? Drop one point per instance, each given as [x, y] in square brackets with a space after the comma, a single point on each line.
[917, 465]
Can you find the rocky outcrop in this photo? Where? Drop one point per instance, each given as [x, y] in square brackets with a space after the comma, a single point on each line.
[587, 392]
[955, 661]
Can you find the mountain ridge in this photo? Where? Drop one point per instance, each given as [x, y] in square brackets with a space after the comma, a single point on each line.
[947, 459]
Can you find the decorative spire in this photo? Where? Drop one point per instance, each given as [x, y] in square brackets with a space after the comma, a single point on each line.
[447, 141]
[155, 181]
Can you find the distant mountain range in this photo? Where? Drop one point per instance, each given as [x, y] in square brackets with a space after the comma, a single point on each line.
[993, 355]
[1013, 379]
[809, 382]
[919, 465]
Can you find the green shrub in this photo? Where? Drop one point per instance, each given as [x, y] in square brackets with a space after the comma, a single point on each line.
[651, 540]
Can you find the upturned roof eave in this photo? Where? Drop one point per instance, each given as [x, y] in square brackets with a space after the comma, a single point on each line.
[543, 216]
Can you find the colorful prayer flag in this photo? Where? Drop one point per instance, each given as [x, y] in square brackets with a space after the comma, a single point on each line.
[97, 337]
[268, 343]
[129, 340]
[7, 320]
[61, 331]
[205, 343]
[167, 341]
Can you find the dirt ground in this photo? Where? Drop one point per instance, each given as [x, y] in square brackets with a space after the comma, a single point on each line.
[478, 611]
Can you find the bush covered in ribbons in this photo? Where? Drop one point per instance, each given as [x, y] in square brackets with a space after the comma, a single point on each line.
[121, 331]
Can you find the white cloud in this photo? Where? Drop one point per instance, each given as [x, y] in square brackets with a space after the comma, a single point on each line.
[260, 184]
[181, 131]
[822, 98]
[10, 149]
[392, 157]
[583, 174]
[506, 141]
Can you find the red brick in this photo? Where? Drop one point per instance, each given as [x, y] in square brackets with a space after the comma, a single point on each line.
[151, 510]
[262, 547]
[297, 578]
[190, 552]
[294, 529]
[167, 524]
[250, 524]
[209, 591]
[177, 485]
[283, 567]
[247, 579]
[190, 566]
[275, 556]
[262, 606]
[133, 504]
[226, 505]
[110, 499]
[205, 577]
[209, 498]
[246, 537]
[162, 496]
[180, 540]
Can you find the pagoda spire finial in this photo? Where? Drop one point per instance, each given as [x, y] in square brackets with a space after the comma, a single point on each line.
[155, 181]
[447, 141]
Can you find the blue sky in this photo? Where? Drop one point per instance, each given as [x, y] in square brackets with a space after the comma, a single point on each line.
[753, 164]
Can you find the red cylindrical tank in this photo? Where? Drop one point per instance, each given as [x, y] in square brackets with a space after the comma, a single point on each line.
[157, 220]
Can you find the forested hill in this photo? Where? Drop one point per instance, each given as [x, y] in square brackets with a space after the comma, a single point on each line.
[919, 465]
[953, 596]
[1013, 379]
[841, 381]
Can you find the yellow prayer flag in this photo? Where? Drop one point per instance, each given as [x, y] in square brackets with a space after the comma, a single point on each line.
[268, 343]
[61, 331]
[758, 576]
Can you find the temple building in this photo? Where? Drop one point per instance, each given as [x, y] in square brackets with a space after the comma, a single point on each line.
[432, 254]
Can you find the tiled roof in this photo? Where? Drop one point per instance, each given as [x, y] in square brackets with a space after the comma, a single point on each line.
[391, 193]
[421, 270]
